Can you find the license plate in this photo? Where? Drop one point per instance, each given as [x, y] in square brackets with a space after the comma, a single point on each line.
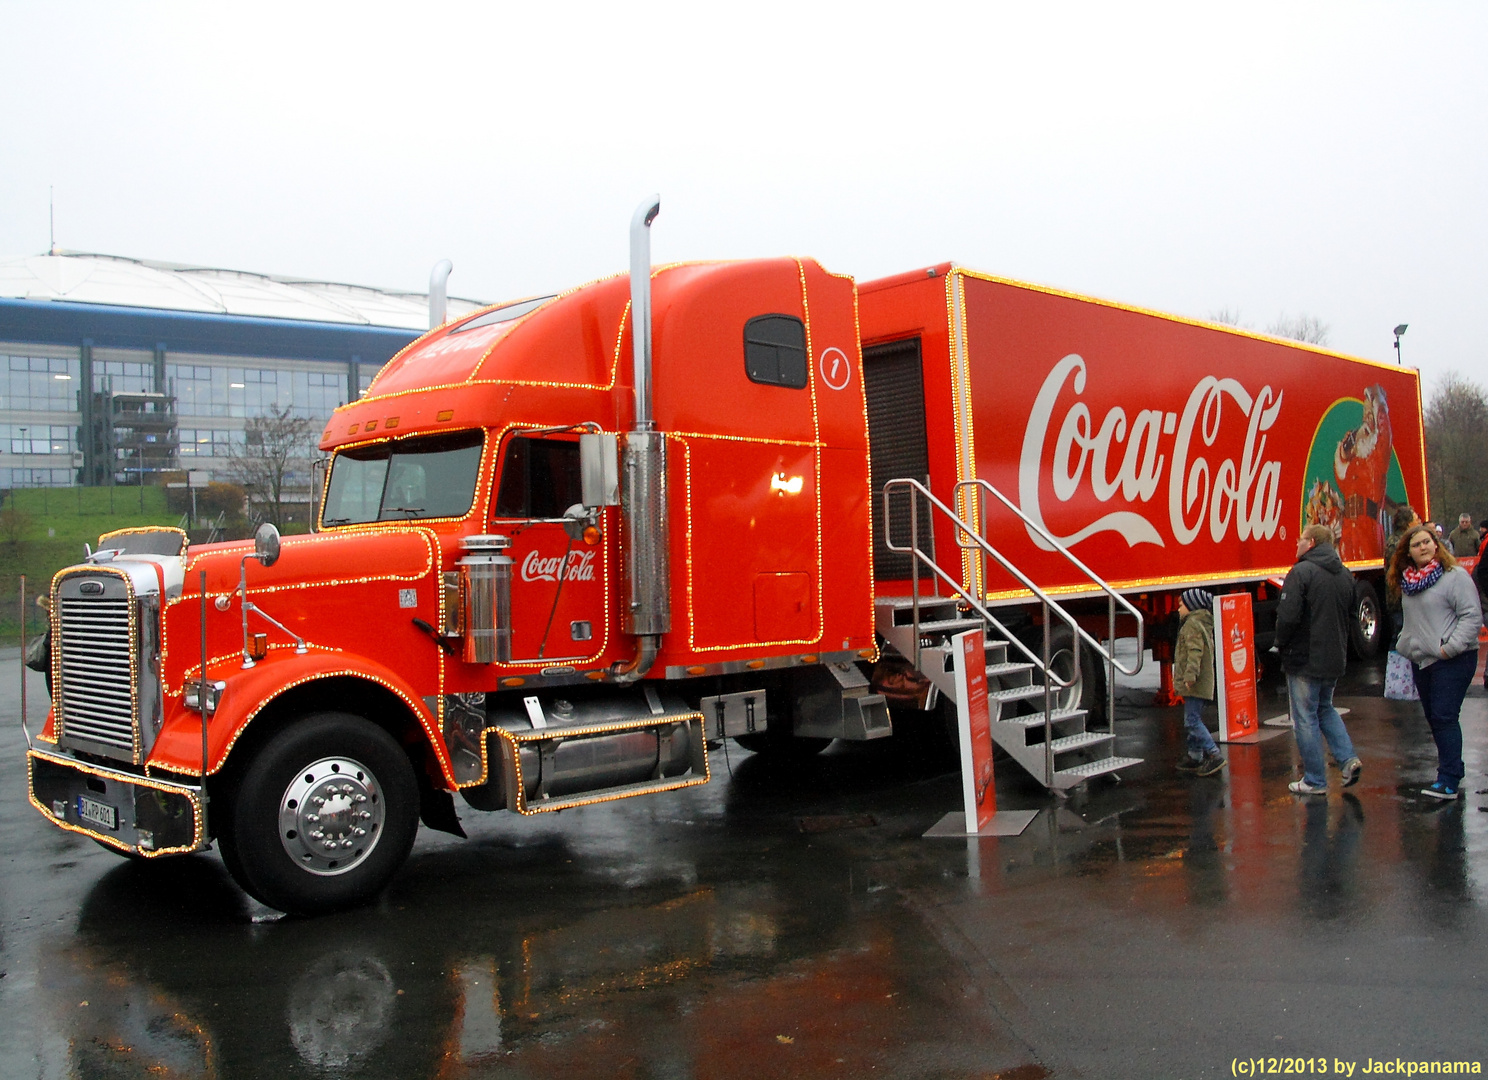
[98, 813]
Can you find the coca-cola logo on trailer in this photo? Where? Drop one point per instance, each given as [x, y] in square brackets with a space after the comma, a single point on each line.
[1129, 455]
[539, 567]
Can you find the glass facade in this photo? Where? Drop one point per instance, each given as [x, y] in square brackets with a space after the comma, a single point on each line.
[39, 383]
[214, 390]
[208, 442]
[213, 398]
[39, 438]
[123, 377]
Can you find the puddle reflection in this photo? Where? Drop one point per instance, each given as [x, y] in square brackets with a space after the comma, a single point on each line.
[545, 976]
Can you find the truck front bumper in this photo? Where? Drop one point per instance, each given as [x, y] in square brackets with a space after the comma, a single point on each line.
[136, 814]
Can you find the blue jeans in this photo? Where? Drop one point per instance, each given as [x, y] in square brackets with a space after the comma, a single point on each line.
[1200, 742]
[1315, 719]
[1442, 687]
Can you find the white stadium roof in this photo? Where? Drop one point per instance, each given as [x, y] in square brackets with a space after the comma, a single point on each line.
[109, 279]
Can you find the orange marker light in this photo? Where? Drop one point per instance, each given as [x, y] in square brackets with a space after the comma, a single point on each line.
[513, 681]
[591, 534]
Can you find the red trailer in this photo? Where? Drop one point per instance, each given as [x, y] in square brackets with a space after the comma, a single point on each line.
[568, 544]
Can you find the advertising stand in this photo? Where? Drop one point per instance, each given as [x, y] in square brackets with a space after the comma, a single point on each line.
[1234, 675]
[974, 728]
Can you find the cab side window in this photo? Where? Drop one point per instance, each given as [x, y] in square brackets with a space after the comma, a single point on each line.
[539, 478]
[775, 351]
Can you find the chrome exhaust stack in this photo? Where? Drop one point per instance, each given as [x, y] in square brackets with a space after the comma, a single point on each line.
[439, 293]
[643, 494]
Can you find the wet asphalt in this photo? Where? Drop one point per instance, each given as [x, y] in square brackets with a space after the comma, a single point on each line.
[792, 921]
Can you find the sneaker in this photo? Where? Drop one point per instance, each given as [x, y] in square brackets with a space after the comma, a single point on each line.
[1351, 770]
[1211, 764]
[1440, 791]
[1190, 765]
[1302, 787]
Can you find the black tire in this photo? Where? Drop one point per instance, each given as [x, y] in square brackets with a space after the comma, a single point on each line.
[777, 742]
[1368, 627]
[1089, 689]
[286, 850]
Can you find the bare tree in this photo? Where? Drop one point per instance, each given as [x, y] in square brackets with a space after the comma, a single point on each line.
[1300, 327]
[1226, 316]
[273, 460]
[1457, 448]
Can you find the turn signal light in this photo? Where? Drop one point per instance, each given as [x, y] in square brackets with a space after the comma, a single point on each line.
[591, 534]
[513, 681]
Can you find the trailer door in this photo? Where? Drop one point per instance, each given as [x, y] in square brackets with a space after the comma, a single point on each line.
[897, 447]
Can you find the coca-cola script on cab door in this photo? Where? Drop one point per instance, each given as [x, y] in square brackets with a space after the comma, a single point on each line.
[539, 567]
[1244, 493]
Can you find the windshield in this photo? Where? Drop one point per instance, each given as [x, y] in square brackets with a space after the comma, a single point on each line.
[431, 476]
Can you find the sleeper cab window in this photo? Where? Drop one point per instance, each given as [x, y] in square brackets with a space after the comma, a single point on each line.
[775, 351]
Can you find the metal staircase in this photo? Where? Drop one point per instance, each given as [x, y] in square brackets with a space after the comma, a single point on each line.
[1035, 714]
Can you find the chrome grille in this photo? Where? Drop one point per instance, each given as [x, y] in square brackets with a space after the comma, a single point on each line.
[96, 665]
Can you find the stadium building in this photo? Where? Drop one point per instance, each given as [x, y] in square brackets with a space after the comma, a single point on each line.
[116, 370]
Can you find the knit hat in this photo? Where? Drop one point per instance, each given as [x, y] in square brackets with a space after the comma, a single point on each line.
[1198, 599]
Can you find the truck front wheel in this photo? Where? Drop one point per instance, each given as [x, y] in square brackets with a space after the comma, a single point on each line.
[324, 816]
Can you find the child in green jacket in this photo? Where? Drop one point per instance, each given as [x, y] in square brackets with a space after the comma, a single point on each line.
[1193, 678]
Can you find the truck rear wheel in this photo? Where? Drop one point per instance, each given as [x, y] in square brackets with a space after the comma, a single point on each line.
[1070, 658]
[1367, 629]
[324, 816]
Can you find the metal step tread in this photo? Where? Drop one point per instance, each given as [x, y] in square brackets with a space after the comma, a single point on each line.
[1010, 667]
[1080, 741]
[947, 626]
[1058, 716]
[900, 602]
[1097, 768]
[1017, 693]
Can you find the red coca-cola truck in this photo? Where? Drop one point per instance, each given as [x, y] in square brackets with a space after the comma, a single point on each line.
[567, 545]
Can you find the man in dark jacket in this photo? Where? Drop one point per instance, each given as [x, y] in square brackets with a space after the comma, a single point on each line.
[1312, 623]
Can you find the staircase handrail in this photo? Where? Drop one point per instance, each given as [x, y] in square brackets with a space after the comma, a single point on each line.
[1055, 545]
[974, 601]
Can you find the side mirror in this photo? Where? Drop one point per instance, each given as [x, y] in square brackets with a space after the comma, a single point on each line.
[576, 519]
[266, 544]
[599, 469]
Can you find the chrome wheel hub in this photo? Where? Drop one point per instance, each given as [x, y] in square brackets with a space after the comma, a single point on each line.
[1065, 666]
[331, 816]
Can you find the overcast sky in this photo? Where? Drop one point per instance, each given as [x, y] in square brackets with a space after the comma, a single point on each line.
[1330, 159]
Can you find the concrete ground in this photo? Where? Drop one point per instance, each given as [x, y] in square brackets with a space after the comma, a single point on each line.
[789, 921]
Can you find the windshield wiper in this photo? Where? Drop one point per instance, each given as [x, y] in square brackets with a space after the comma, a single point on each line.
[335, 521]
[411, 511]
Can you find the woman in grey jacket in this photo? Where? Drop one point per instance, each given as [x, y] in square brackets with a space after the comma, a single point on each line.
[1440, 636]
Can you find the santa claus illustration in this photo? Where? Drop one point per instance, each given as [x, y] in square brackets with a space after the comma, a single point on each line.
[1361, 466]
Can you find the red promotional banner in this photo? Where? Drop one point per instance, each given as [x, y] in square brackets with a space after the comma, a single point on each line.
[1234, 662]
[975, 724]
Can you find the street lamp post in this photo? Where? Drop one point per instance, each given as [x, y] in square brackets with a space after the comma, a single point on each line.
[1398, 331]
